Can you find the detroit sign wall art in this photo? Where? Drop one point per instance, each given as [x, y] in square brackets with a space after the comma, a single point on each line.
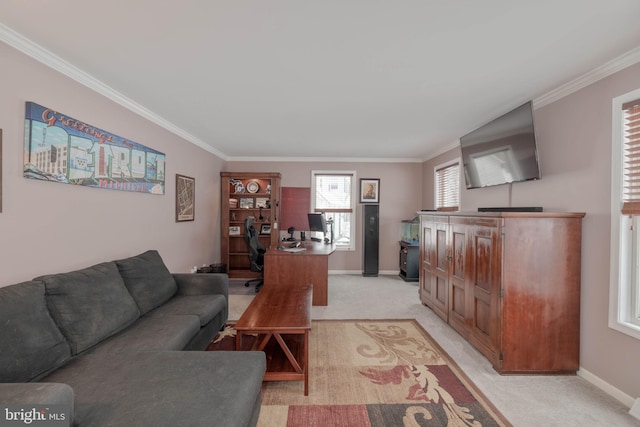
[62, 149]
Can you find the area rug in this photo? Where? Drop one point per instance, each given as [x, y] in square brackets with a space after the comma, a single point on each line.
[377, 373]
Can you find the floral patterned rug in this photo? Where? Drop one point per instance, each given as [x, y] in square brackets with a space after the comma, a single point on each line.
[377, 373]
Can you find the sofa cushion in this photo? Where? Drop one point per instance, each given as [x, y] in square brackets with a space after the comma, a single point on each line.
[165, 388]
[152, 334]
[32, 344]
[206, 307]
[36, 393]
[89, 305]
[147, 279]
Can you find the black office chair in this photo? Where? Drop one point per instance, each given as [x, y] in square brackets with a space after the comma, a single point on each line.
[256, 252]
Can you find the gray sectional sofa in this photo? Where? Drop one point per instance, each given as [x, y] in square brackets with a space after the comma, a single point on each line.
[108, 342]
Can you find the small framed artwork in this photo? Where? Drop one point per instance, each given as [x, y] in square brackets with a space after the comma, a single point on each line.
[263, 202]
[185, 198]
[265, 229]
[234, 230]
[246, 203]
[369, 190]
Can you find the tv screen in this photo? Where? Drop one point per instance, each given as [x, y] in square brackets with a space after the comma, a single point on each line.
[502, 151]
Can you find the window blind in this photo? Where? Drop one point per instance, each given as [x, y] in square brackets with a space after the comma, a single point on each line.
[631, 159]
[448, 188]
[333, 193]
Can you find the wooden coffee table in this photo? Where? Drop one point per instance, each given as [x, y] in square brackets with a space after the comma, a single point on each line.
[281, 317]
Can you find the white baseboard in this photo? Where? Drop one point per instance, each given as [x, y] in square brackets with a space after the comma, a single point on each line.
[635, 409]
[358, 272]
[609, 389]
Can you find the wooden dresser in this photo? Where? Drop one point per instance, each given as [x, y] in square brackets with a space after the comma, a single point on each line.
[509, 283]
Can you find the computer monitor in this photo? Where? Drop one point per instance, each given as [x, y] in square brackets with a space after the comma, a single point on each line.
[317, 222]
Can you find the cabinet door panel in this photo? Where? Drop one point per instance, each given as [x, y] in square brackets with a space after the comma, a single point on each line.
[426, 264]
[440, 289]
[484, 260]
[485, 285]
[457, 290]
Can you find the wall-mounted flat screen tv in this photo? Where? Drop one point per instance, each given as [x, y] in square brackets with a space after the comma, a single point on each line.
[502, 151]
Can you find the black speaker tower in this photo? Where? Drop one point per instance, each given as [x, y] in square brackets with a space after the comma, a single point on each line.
[371, 240]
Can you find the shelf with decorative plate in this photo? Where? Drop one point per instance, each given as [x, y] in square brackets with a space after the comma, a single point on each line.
[244, 195]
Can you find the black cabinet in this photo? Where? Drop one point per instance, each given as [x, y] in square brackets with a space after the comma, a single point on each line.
[409, 258]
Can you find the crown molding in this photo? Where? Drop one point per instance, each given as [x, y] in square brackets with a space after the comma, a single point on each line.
[441, 150]
[327, 159]
[621, 62]
[42, 55]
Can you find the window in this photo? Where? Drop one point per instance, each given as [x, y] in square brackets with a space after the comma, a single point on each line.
[447, 186]
[624, 301]
[332, 192]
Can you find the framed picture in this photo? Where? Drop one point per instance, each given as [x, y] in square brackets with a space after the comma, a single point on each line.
[234, 230]
[263, 202]
[265, 229]
[369, 190]
[246, 203]
[78, 153]
[185, 198]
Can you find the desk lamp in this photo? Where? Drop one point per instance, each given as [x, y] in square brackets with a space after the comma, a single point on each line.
[291, 230]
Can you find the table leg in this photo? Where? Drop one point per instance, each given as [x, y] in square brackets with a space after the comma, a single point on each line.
[306, 363]
[285, 348]
[238, 340]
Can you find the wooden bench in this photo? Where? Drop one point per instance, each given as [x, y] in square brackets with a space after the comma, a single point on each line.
[281, 317]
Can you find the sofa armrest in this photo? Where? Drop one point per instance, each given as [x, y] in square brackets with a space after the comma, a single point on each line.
[39, 394]
[202, 284]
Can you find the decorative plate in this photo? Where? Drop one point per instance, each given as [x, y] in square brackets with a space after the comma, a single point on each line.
[253, 187]
[237, 186]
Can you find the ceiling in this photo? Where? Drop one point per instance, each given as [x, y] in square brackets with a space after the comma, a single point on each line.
[333, 79]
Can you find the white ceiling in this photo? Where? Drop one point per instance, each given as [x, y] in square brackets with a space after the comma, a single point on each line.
[342, 79]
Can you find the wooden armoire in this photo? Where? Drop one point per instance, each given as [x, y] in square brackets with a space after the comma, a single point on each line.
[509, 283]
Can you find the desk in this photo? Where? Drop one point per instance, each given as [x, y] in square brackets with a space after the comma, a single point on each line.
[308, 266]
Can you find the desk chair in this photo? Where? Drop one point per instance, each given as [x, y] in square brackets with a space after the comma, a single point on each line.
[256, 252]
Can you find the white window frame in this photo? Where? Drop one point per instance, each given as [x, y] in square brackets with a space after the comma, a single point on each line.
[354, 195]
[625, 263]
[435, 179]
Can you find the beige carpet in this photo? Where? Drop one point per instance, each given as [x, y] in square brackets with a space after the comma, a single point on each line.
[376, 373]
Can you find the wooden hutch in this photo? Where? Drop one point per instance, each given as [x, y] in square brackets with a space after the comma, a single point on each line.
[246, 194]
